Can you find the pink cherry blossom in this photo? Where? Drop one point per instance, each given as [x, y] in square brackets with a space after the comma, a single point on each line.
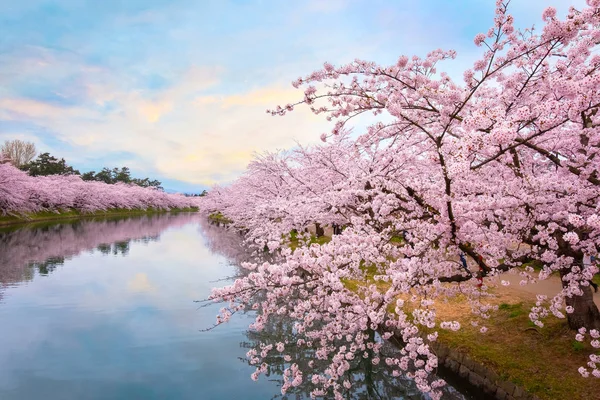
[22, 194]
[453, 183]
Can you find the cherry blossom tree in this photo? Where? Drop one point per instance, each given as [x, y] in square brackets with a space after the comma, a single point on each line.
[23, 194]
[500, 169]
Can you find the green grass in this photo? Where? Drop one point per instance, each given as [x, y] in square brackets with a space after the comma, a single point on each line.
[396, 239]
[577, 346]
[543, 361]
[6, 220]
[535, 264]
[219, 218]
[295, 242]
[512, 310]
[320, 240]
[293, 234]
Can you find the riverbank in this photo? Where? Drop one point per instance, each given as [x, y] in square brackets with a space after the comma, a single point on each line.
[520, 359]
[9, 220]
[219, 219]
[513, 359]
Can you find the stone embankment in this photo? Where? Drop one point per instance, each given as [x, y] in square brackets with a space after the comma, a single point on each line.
[482, 379]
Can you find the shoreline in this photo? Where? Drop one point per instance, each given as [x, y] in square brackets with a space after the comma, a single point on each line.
[11, 220]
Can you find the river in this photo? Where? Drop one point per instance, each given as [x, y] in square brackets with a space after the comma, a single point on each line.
[105, 309]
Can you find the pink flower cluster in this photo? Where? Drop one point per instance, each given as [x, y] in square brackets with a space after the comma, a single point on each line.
[22, 194]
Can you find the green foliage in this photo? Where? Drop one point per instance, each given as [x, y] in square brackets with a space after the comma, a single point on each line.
[320, 240]
[217, 217]
[295, 242]
[396, 239]
[44, 268]
[123, 175]
[204, 193]
[45, 164]
[577, 346]
[88, 176]
[535, 264]
[8, 221]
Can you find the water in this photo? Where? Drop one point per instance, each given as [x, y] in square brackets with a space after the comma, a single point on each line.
[104, 309]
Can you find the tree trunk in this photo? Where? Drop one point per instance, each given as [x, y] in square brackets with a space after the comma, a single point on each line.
[335, 229]
[319, 231]
[586, 312]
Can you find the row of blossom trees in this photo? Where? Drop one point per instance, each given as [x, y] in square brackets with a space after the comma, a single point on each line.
[501, 169]
[22, 194]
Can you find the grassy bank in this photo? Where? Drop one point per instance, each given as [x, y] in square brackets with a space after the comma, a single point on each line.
[219, 218]
[295, 242]
[7, 220]
[543, 361]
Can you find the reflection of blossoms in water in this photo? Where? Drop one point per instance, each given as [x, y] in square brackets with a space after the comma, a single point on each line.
[226, 242]
[280, 352]
[229, 243]
[44, 246]
[367, 376]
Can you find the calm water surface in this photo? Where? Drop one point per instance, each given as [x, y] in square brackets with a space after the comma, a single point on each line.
[104, 309]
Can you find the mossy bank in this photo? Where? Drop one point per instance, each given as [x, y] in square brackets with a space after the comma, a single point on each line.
[7, 220]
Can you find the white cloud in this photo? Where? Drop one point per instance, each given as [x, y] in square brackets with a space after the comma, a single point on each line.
[198, 129]
[180, 132]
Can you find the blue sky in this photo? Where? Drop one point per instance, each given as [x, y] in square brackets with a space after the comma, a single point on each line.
[177, 89]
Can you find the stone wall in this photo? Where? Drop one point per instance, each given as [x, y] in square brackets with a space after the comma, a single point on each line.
[462, 372]
[473, 374]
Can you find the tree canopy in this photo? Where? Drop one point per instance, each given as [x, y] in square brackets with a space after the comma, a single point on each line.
[45, 164]
[123, 175]
[21, 193]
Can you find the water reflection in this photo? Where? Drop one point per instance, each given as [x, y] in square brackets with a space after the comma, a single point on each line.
[104, 309]
[369, 382]
[40, 248]
[226, 242]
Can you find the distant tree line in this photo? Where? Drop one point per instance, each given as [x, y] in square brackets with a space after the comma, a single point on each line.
[123, 174]
[21, 155]
[204, 193]
[45, 164]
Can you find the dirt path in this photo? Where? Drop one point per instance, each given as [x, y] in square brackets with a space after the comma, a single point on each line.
[549, 287]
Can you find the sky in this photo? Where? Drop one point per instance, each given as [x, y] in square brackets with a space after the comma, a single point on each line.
[177, 89]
